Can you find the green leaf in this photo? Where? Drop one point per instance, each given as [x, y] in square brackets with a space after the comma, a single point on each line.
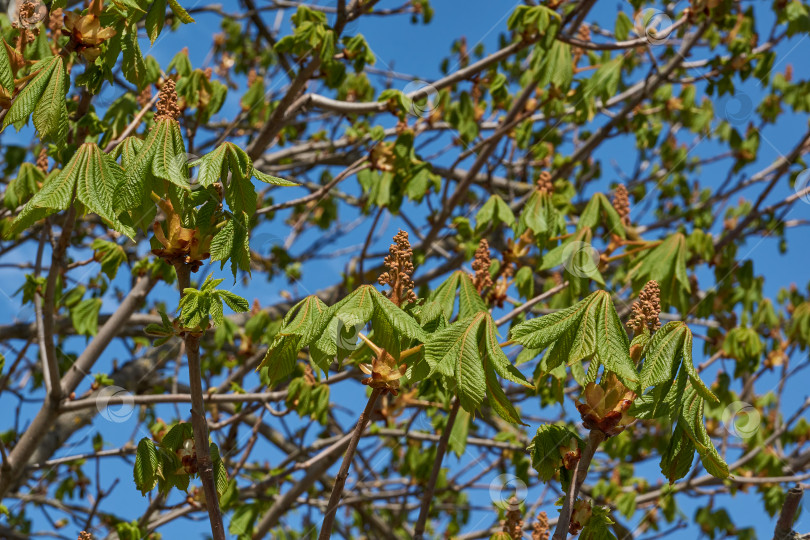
[445, 294]
[155, 19]
[110, 255]
[541, 332]
[232, 244]
[469, 301]
[598, 525]
[691, 418]
[605, 82]
[274, 180]
[545, 448]
[181, 13]
[677, 460]
[132, 64]
[147, 468]
[220, 473]
[44, 95]
[197, 306]
[84, 316]
[402, 323]
[6, 73]
[663, 354]
[458, 435]
[467, 352]
[666, 264]
[613, 346]
[590, 329]
[494, 211]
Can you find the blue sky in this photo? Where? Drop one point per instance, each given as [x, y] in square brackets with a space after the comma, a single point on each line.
[417, 49]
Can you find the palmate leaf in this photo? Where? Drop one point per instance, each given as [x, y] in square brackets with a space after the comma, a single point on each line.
[577, 257]
[467, 353]
[333, 332]
[299, 328]
[540, 216]
[470, 302]
[588, 330]
[91, 175]
[161, 156]
[20, 189]
[598, 211]
[197, 306]
[232, 244]
[598, 525]
[44, 96]
[677, 398]
[230, 165]
[668, 350]
[665, 264]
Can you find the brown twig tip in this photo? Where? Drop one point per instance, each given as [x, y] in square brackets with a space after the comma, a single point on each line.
[400, 270]
[167, 103]
[42, 160]
[482, 279]
[544, 183]
[647, 308]
[540, 530]
[621, 202]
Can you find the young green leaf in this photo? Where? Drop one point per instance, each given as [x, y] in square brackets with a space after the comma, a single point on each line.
[147, 467]
[545, 448]
[44, 95]
[665, 264]
[590, 329]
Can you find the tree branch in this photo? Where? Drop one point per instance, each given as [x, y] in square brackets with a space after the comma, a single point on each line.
[427, 498]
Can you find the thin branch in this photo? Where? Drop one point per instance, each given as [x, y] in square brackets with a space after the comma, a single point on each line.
[427, 498]
[595, 438]
[198, 420]
[340, 481]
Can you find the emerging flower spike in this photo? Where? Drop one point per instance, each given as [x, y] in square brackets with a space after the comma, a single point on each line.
[621, 203]
[540, 528]
[513, 524]
[544, 182]
[42, 160]
[400, 270]
[482, 279]
[647, 308]
[167, 103]
[145, 96]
